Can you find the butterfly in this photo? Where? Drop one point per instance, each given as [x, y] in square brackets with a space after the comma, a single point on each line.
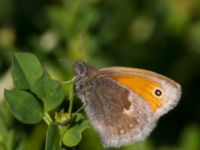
[124, 103]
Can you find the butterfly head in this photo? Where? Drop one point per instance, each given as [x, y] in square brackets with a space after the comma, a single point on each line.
[83, 74]
[82, 69]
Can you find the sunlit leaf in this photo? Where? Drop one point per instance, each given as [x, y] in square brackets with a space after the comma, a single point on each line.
[24, 106]
[49, 91]
[26, 69]
[74, 134]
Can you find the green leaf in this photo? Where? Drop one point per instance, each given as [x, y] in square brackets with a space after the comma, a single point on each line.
[24, 106]
[6, 140]
[74, 134]
[26, 69]
[9, 138]
[192, 136]
[5, 114]
[49, 91]
[3, 128]
[53, 138]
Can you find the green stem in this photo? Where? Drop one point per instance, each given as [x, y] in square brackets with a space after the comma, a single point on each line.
[63, 130]
[47, 118]
[46, 121]
[71, 99]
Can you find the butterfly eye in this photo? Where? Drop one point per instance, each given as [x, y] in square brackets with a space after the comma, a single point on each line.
[158, 92]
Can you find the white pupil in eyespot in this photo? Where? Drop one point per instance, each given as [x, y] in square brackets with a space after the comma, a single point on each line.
[158, 92]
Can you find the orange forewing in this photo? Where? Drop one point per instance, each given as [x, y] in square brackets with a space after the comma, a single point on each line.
[144, 87]
[142, 71]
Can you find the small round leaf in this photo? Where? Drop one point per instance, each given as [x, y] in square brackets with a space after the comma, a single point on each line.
[49, 91]
[24, 106]
[74, 134]
[26, 69]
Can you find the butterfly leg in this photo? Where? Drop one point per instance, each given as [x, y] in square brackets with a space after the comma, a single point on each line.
[69, 81]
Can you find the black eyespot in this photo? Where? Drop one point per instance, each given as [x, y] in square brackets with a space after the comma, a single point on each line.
[158, 92]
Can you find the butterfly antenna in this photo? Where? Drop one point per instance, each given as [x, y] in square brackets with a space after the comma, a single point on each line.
[83, 50]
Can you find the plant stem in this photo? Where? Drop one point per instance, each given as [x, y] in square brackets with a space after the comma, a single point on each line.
[47, 118]
[46, 121]
[71, 99]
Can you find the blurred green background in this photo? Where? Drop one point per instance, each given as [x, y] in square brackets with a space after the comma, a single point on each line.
[162, 36]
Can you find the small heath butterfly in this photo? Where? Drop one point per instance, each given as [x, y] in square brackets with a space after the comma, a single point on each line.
[124, 103]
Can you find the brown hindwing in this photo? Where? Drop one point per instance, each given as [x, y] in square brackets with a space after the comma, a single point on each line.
[118, 114]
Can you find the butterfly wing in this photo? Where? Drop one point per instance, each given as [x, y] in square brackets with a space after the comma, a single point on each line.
[118, 114]
[124, 104]
[160, 93]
